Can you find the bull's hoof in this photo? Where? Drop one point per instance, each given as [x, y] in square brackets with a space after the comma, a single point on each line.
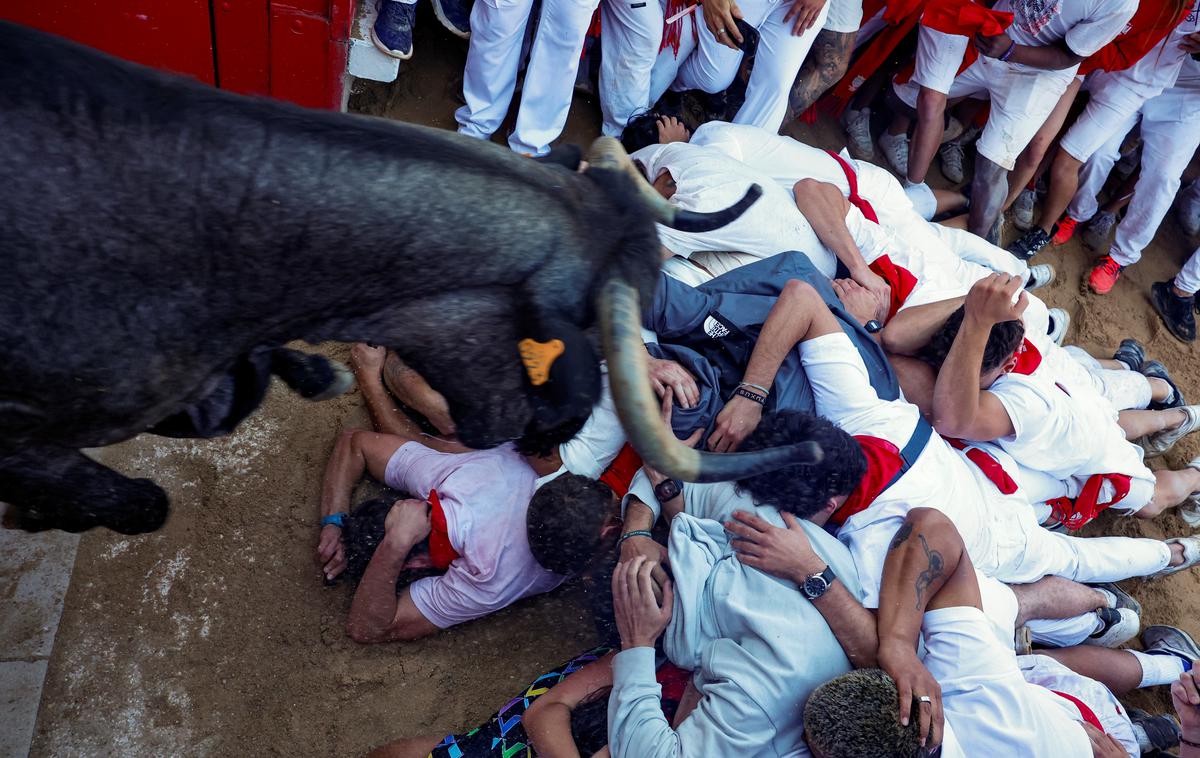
[140, 506]
[313, 377]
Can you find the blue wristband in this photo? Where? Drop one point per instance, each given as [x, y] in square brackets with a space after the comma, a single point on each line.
[337, 519]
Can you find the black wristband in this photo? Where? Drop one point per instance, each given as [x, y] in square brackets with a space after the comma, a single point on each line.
[749, 395]
[1189, 743]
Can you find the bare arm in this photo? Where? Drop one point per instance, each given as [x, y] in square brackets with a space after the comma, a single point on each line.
[788, 554]
[1052, 57]
[825, 208]
[377, 614]
[911, 329]
[960, 407]
[387, 418]
[548, 720]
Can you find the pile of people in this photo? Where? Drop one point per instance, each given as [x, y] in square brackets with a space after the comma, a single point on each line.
[923, 585]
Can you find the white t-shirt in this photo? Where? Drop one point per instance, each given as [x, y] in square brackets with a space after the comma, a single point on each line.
[598, 442]
[485, 495]
[1156, 70]
[989, 707]
[1086, 25]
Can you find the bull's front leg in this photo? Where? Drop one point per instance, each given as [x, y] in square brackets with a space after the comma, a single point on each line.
[59, 488]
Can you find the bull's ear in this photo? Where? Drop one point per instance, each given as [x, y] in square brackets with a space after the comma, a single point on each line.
[562, 373]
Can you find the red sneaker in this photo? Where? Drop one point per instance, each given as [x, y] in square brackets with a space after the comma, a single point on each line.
[1064, 231]
[1104, 275]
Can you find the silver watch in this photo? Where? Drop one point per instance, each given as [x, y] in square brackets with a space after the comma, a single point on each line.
[818, 584]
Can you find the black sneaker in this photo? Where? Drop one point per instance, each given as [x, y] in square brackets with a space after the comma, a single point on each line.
[1030, 243]
[1154, 732]
[1122, 599]
[1132, 353]
[455, 15]
[1159, 371]
[1175, 311]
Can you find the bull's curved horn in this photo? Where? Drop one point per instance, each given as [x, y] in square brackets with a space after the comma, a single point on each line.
[639, 412]
[608, 153]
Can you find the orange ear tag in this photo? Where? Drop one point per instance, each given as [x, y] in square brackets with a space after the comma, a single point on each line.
[538, 357]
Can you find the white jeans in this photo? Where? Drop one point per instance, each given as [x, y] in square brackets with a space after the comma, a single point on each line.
[1188, 278]
[631, 31]
[711, 66]
[497, 31]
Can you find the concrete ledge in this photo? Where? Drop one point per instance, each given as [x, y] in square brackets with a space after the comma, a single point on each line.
[366, 61]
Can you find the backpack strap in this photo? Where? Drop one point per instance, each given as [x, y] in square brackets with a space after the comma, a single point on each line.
[911, 450]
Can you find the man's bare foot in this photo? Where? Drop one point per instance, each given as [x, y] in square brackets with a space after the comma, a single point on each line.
[412, 390]
[367, 360]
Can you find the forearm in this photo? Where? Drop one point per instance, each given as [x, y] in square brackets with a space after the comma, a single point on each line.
[924, 553]
[852, 624]
[1186, 750]
[956, 392]
[1053, 57]
[549, 730]
[638, 516]
[374, 607]
[911, 329]
[786, 325]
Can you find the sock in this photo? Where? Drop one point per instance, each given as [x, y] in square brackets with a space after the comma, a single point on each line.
[1110, 598]
[1159, 667]
[1169, 398]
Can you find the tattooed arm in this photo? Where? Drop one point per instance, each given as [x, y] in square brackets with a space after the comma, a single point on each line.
[824, 66]
[927, 567]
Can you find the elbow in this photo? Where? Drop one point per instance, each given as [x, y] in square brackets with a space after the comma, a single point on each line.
[361, 634]
[929, 521]
[891, 341]
[805, 187]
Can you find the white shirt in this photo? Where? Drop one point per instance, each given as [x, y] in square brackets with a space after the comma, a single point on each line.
[1085, 25]
[485, 495]
[989, 707]
[1157, 70]
[598, 442]
[756, 645]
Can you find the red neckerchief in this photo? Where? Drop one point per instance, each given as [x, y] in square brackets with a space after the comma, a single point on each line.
[1028, 359]
[1075, 513]
[441, 552]
[1088, 714]
[990, 467]
[619, 474]
[883, 461]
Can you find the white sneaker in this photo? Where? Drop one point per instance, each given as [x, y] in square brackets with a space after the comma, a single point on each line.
[1039, 276]
[1191, 555]
[1117, 626]
[1189, 208]
[895, 149]
[1060, 321]
[951, 155]
[1160, 442]
[1023, 210]
[858, 133]
[954, 129]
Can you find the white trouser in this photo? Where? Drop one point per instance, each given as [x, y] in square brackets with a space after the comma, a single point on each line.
[973, 248]
[1167, 148]
[1124, 389]
[1094, 174]
[1082, 559]
[1188, 278]
[712, 66]
[1001, 608]
[631, 31]
[1064, 632]
[497, 32]
[1044, 671]
[1112, 109]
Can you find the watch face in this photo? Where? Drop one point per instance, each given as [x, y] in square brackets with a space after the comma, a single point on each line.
[815, 586]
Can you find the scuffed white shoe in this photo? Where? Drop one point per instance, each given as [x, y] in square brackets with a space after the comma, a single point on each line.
[1160, 442]
[895, 149]
[1191, 555]
[858, 133]
[1117, 626]
[1039, 276]
[1023, 210]
[1060, 322]
[951, 155]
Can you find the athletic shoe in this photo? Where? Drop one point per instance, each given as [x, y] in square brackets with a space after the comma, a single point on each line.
[1060, 322]
[1154, 732]
[951, 155]
[1104, 275]
[1175, 311]
[996, 232]
[1039, 276]
[953, 129]
[1064, 231]
[1158, 371]
[895, 149]
[393, 29]
[1030, 243]
[1117, 626]
[858, 133]
[1191, 556]
[1117, 597]
[455, 15]
[1132, 353]
[1189, 209]
[1095, 234]
[1189, 509]
[1023, 209]
[1170, 639]
[1160, 442]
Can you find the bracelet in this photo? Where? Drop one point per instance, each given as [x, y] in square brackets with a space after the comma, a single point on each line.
[743, 392]
[754, 386]
[634, 533]
[1009, 51]
[337, 519]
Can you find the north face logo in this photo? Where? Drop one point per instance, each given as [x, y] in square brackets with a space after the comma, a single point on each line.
[715, 329]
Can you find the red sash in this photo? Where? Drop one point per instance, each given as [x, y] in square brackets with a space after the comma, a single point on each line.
[1088, 714]
[441, 552]
[621, 471]
[883, 461]
[1075, 513]
[990, 467]
[965, 18]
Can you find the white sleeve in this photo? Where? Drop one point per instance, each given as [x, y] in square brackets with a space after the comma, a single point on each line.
[727, 722]
[1027, 408]
[597, 444]
[1096, 31]
[840, 384]
[452, 598]
[641, 488]
[961, 643]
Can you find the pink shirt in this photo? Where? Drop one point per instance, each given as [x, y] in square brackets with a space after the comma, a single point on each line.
[485, 496]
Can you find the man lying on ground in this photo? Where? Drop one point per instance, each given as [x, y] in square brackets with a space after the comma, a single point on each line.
[499, 538]
[970, 695]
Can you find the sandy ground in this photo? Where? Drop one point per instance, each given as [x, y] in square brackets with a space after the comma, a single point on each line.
[215, 635]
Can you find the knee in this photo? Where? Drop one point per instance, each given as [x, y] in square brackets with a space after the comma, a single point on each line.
[931, 105]
[800, 291]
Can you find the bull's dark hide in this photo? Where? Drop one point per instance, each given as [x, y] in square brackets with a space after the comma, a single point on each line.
[156, 235]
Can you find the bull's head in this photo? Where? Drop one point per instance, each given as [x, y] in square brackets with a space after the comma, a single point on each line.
[620, 323]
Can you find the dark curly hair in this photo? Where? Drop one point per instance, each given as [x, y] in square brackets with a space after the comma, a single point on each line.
[363, 530]
[544, 442]
[641, 131]
[803, 490]
[1004, 340]
[564, 521]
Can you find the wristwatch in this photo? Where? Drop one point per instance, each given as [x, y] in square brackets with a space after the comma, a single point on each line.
[872, 326]
[668, 489]
[818, 584]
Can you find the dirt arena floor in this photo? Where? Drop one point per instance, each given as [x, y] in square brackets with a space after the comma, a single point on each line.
[215, 636]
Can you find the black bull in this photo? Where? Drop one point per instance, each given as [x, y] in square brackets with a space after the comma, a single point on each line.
[162, 240]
